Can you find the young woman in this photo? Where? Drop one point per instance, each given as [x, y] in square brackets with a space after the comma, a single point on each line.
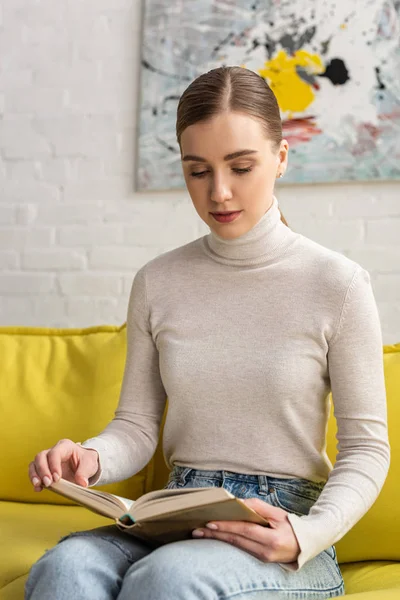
[246, 330]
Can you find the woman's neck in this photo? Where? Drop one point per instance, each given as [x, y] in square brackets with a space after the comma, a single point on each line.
[260, 244]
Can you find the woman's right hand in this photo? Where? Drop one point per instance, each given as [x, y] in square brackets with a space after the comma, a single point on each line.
[67, 460]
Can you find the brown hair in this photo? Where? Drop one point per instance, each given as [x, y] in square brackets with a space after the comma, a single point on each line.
[230, 88]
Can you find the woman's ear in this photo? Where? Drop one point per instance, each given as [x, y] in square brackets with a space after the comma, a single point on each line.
[283, 156]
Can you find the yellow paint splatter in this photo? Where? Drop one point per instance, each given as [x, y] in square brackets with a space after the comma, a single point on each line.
[293, 93]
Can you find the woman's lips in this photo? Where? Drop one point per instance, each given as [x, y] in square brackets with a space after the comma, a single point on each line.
[226, 217]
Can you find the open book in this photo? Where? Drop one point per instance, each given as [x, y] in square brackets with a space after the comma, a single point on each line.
[165, 515]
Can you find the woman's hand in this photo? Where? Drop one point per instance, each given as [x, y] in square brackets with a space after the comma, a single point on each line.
[67, 460]
[276, 543]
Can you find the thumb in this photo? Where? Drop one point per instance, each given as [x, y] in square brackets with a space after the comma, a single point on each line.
[82, 470]
[80, 477]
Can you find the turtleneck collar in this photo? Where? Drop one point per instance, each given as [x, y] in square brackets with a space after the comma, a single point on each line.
[263, 242]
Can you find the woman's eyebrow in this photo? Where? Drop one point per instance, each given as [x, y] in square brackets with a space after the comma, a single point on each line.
[227, 157]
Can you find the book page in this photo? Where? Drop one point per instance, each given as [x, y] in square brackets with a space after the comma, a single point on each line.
[182, 499]
[125, 502]
[164, 493]
[103, 502]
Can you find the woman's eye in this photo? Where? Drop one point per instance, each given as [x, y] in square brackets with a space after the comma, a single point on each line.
[241, 171]
[237, 171]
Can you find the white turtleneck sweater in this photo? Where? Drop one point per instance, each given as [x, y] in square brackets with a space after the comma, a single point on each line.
[247, 337]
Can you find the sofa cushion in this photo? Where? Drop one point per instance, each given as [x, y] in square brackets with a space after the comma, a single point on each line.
[376, 536]
[371, 575]
[57, 383]
[14, 590]
[27, 530]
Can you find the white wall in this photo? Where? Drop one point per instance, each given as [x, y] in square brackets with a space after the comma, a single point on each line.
[72, 230]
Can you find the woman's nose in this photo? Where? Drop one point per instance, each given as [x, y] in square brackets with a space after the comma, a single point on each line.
[220, 191]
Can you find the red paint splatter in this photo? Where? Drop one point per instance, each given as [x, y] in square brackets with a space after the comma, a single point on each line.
[298, 131]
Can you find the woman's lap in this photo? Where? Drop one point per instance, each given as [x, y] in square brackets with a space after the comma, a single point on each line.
[217, 570]
[205, 568]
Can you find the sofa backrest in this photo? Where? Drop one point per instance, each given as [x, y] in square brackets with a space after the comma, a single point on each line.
[376, 535]
[54, 384]
[65, 383]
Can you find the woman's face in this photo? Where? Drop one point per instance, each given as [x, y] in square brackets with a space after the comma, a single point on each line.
[219, 183]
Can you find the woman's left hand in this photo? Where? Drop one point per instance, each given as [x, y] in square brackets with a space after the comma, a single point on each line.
[276, 543]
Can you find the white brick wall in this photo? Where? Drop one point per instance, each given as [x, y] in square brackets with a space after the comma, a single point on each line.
[72, 231]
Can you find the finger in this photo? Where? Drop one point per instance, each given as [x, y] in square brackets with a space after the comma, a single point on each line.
[252, 531]
[58, 454]
[42, 468]
[85, 465]
[34, 477]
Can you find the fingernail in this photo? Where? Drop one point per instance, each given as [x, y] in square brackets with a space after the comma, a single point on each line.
[46, 481]
[36, 481]
[211, 526]
[56, 477]
[197, 533]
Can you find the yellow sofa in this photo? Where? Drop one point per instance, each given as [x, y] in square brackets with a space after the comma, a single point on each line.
[65, 383]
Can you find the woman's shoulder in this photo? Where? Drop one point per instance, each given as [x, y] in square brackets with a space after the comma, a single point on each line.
[172, 260]
[325, 259]
[329, 271]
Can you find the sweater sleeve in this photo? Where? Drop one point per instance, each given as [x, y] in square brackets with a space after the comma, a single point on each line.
[128, 442]
[355, 363]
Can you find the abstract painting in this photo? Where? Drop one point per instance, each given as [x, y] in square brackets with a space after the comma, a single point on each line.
[334, 67]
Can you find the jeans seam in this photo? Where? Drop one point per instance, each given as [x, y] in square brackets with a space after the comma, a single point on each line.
[120, 548]
[297, 492]
[280, 505]
[104, 538]
[337, 588]
[198, 477]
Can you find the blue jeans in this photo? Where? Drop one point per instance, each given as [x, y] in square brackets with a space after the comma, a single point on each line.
[105, 563]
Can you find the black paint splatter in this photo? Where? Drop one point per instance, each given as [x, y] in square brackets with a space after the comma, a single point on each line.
[381, 85]
[325, 46]
[150, 67]
[256, 5]
[222, 43]
[270, 46]
[292, 43]
[172, 98]
[306, 37]
[165, 145]
[336, 72]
